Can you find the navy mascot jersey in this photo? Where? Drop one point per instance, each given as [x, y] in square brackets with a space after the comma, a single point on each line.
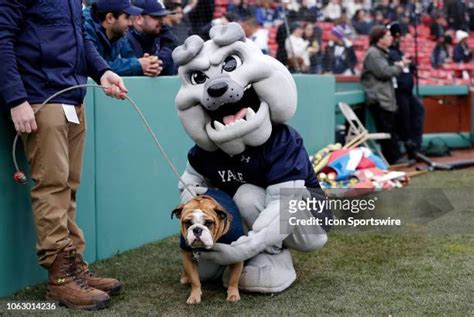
[282, 158]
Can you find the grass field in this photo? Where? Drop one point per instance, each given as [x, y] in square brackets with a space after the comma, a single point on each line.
[362, 274]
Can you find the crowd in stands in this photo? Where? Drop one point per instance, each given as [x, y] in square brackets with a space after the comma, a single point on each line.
[309, 36]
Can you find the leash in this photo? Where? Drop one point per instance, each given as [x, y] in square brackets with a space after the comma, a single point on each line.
[20, 177]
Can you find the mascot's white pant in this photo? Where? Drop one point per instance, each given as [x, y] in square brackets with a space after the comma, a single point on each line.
[270, 271]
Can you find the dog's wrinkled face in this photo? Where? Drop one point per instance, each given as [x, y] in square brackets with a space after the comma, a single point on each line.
[231, 93]
[203, 221]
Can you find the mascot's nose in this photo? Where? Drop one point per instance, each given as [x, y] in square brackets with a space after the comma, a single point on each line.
[197, 231]
[218, 89]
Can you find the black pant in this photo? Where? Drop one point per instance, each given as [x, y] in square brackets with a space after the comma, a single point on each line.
[385, 122]
[409, 120]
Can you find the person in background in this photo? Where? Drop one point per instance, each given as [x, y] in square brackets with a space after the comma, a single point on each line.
[34, 68]
[177, 21]
[106, 25]
[378, 78]
[264, 13]
[255, 32]
[297, 49]
[352, 6]
[333, 10]
[456, 12]
[440, 54]
[410, 113]
[314, 48]
[339, 57]
[438, 27]
[150, 37]
[386, 9]
[462, 53]
[239, 8]
[378, 18]
[200, 14]
[361, 23]
[307, 12]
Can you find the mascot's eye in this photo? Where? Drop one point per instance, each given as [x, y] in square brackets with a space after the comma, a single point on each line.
[198, 77]
[231, 63]
[208, 223]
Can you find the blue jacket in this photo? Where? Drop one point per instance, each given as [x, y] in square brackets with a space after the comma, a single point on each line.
[405, 81]
[161, 46]
[461, 54]
[43, 50]
[117, 53]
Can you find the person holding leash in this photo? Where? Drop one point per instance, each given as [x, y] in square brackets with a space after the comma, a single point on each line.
[43, 50]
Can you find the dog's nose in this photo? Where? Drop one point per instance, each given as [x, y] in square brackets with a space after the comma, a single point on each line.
[197, 231]
[218, 89]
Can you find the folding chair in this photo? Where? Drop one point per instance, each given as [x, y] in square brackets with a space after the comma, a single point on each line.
[356, 128]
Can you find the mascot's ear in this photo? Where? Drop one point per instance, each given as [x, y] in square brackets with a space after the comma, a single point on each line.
[186, 52]
[227, 34]
[177, 211]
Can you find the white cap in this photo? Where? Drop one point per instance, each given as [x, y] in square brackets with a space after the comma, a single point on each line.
[461, 35]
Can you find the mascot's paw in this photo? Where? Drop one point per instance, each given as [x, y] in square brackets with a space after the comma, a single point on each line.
[267, 273]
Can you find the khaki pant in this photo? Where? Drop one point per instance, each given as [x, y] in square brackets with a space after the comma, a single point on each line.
[55, 154]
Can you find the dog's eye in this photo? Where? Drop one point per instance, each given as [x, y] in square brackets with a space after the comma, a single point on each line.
[231, 63]
[208, 223]
[188, 223]
[198, 77]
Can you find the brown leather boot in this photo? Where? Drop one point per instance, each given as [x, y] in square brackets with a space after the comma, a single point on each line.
[109, 285]
[68, 289]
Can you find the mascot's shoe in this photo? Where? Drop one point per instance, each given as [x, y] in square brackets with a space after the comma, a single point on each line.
[108, 285]
[267, 273]
[67, 288]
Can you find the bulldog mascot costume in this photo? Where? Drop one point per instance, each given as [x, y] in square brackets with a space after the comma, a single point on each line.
[234, 102]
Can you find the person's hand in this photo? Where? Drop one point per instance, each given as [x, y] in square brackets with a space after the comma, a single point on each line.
[406, 61]
[23, 117]
[151, 65]
[399, 63]
[114, 86]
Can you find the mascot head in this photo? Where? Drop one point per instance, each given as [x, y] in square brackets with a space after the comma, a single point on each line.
[231, 92]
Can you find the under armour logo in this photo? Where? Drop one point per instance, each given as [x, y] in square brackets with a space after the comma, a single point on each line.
[245, 159]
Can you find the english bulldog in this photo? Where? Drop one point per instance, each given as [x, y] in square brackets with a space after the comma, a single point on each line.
[203, 222]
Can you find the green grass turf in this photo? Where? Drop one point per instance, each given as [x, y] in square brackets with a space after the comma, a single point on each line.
[358, 274]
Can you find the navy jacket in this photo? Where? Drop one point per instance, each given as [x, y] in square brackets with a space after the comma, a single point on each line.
[461, 54]
[405, 81]
[161, 46]
[339, 64]
[117, 53]
[43, 50]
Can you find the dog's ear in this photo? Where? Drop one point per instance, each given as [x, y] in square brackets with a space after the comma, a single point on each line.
[225, 217]
[177, 211]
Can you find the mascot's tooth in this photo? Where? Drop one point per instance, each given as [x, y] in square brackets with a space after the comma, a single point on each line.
[249, 114]
[247, 87]
[219, 126]
[240, 120]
